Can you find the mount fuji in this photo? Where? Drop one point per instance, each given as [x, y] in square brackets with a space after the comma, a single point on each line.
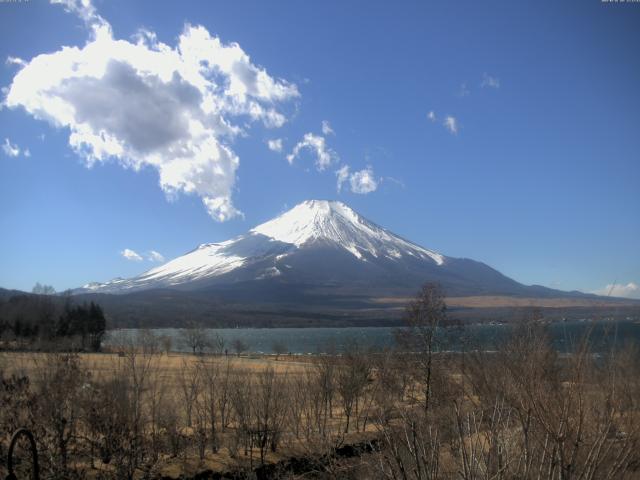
[320, 251]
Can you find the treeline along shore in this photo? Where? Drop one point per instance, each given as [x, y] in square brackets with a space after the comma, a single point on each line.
[43, 321]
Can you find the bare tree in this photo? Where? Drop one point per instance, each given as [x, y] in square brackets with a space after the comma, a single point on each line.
[40, 289]
[166, 343]
[352, 378]
[279, 348]
[196, 338]
[240, 401]
[239, 346]
[210, 374]
[216, 344]
[268, 411]
[326, 378]
[61, 379]
[189, 383]
[137, 369]
[147, 341]
[424, 315]
[298, 392]
[224, 389]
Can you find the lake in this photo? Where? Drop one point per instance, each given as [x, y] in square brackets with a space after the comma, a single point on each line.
[326, 340]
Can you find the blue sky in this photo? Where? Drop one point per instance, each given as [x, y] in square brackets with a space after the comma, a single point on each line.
[506, 132]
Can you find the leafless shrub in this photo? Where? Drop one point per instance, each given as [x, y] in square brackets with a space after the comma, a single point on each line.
[424, 315]
[209, 401]
[268, 410]
[189, 386]
[239, 346]
[352, 378]
[56, 411]
[170, 426]
[279, 348]
[240, 402]
[18, 401]
[197, 339]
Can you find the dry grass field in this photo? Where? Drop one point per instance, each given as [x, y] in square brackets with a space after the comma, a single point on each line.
[496, 301]
[107, 364]
[521, 411]
[170, 416]
[170, 382]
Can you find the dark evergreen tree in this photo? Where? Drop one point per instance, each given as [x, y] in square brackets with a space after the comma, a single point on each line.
[48, 318]
[96, 326]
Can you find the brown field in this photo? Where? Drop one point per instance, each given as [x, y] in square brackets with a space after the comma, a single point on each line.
[522, 411]
[107, 364]
[517, 302]
[166, 372]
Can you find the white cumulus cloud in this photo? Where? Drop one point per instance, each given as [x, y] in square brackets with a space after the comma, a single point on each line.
[275, 144]
[154, 256]
[147, 104]
[324, 156]
[451, 124]
[630, 290]
[361, 182]
[131, 255]
[431, 116]
[10, 149]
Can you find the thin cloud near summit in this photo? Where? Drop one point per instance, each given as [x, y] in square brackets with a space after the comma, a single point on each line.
[362, 181]
[131, 255]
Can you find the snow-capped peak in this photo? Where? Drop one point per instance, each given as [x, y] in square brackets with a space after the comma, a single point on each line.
[310, 220]
[334, 221]
[265, 246]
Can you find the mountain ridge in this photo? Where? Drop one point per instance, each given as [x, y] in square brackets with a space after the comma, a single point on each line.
[324, 248]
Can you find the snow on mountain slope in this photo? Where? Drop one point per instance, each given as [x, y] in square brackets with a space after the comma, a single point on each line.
[315, 220]
[311, 223]
[206, 260]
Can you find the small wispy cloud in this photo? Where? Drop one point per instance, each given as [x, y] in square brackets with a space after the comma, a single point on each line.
[84, 10]
[15, 61]
[154, 256]
[396, 181]
[324, 156]
[131, 255]
[10, 149]
[463, 91]
[630, 290]
[451, 124]
[489, 81]
[361, 182]
[275, 145]
[342, 175]
[326, 128]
